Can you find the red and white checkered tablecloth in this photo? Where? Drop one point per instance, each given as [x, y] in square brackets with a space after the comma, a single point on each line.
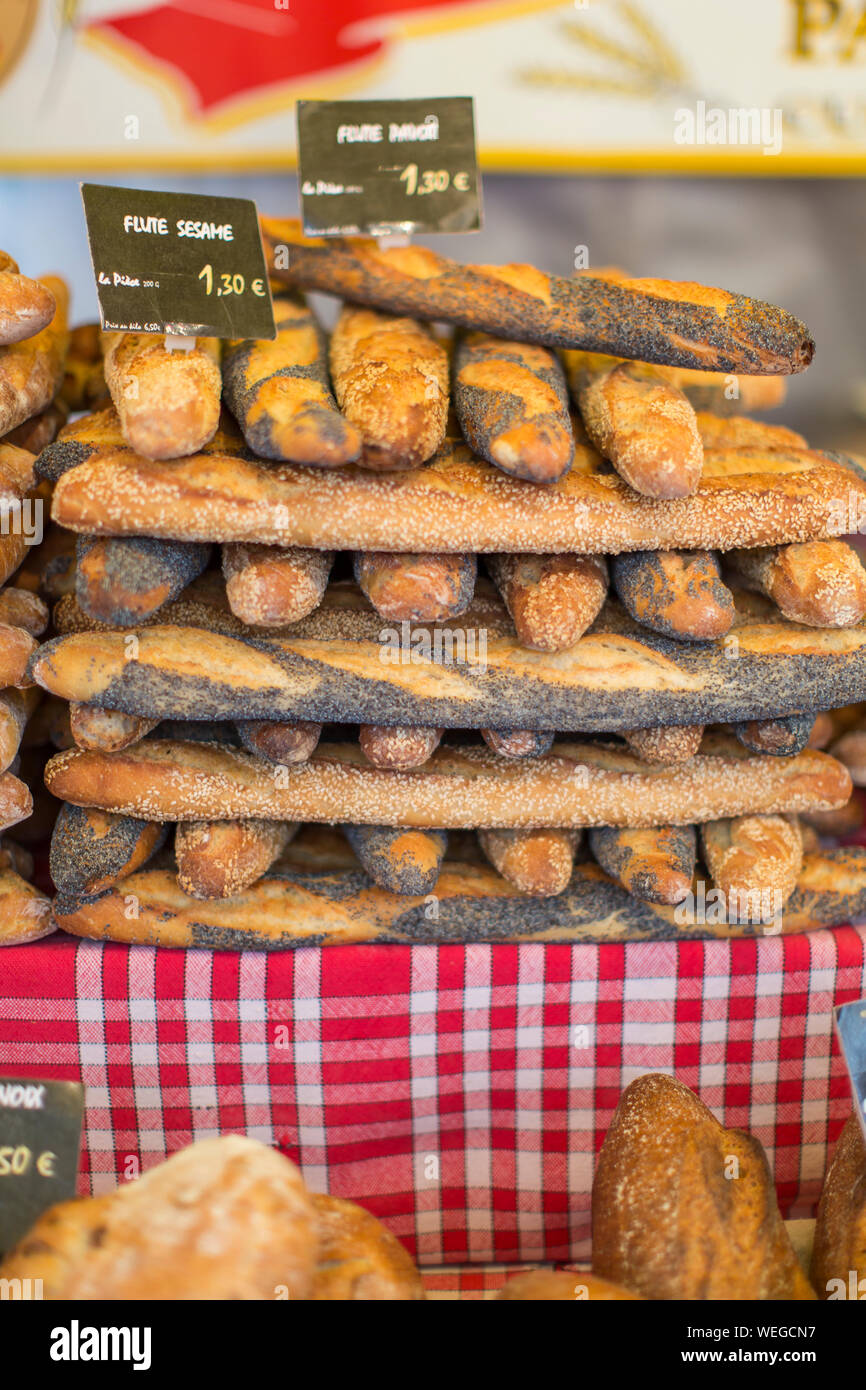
[460, 1093]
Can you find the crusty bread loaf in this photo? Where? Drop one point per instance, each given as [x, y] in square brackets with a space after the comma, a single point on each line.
[168, 402]
[642, 423]
[16, 649]
[106, 729]
[459, 787]
[511, 401]
[219, 858]
[537, 862]
[279, 393]
[402, 861]
[310, 906]
[398, 747]
[664, 747]
[820, 583]
[269, 585]
[16, 707]
[83, 376]
[120, 580]
[850, 749]
[518, 743]
[100, 432]
[40, 430]
[31, 369]
[25, 912]
[23, 609]
[390, 378]
[741, 432]
[281, 742]
[26, 306]
[755, 861]
[555, 1285]
[421, 587]
[91, 850]
[840, 1229]
[684, 324]
[684, 1209]
[656, 865]
[224, 1219]
[552, 599]
[359, 1258]
[747, 497]
[678, 593]
[779, 736]
[340, 665]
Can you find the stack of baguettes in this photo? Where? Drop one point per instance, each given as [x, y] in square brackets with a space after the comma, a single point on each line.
[37, 386]
[327, 707]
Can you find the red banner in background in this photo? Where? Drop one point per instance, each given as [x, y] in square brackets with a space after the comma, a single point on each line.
[224, 49]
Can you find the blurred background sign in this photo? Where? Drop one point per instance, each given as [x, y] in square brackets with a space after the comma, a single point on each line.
[766, 87]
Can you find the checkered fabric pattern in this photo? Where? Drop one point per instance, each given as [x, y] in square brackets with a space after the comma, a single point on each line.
[460, 1093]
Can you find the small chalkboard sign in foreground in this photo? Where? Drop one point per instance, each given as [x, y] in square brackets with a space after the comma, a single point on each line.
[850, 1021]
[380, 167]
[189, 264]
[40, 1136]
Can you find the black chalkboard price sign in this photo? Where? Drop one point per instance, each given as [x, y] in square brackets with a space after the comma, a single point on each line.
[40, 1136]
[189, 264]
[380, 167]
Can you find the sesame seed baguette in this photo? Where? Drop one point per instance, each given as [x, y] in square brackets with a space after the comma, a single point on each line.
[31, 370]
[168, 402]
[83, 375]
[40, 430]
[741, 432]
[106, 729]
[404, 861]
[820, 583]
[280, 394]
[518, 743]
[643, 425]
[91, 849]
[219, 858]
[26, 306]
[616, 677]
[511, 401]
[552, 599]
[390, 378]
[474, 904]
[537, 862]
[747, 497]
[755, 861]
[678, 593]
[681, 323]
[25, 912]
[458, 787]
[397, 747]
[656, 865]
[121, 580]
[421, 587]
[268, 586]
[16, 707]
[781, 737]
[664, 747]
